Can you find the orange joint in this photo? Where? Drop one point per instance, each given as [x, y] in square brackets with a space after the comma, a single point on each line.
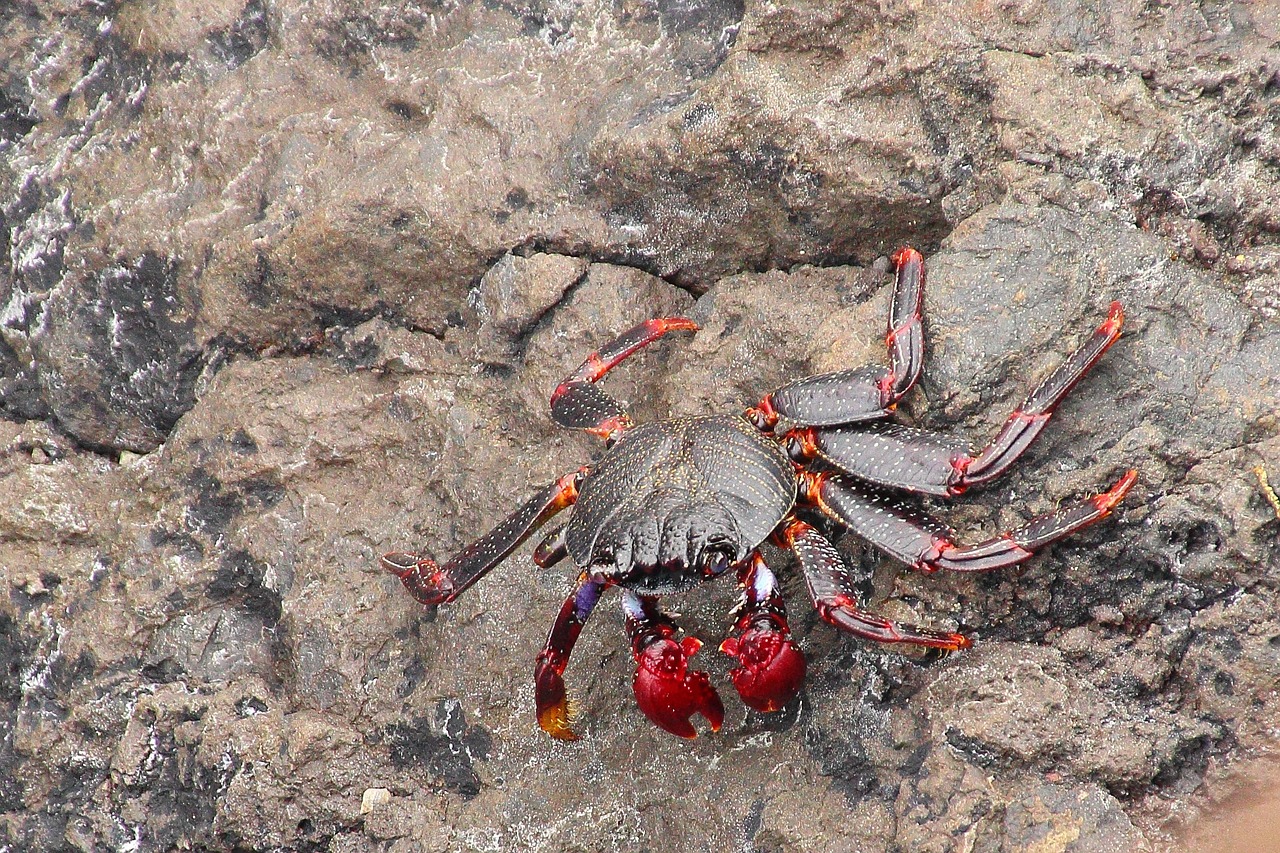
[763, 415]
[561, 390]
[801, 444]
[811, 483]
[928, 561]
[593, 368]
[567, 489]
[1115, 319]
[885, 386]
[608, 427]
[792, 530]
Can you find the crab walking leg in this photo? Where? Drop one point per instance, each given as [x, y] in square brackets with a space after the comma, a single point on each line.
[917, 460]
[770, 667]
[1026, 423]
[578, 404]
[865, 393]
[432, 583]
[886, 453]
[666, 690]
[827, 576]
[926, 544]
[552, 549]
[550, 698]
[905, 338]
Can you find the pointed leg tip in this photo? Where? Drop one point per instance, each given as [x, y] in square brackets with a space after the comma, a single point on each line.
[904, 255]
[941, 642]
[399, 563]
[672, 324]
[1115, 320]
[944, 645]
[1108, 500]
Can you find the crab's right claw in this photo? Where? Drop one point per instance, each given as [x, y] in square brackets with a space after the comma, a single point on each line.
[669, 694]
[770, 668]
[421, 576]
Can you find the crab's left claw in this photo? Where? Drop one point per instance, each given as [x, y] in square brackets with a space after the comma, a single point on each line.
[770, 668]
[669, 694]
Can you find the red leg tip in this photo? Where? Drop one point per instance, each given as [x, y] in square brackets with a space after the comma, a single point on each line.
[770, 668]
[662, 325]
[668, 694]
[905, 255]
[1114, 321]
[421, 576]
[1107, 501]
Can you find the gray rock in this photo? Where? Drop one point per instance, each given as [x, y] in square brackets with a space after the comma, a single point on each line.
[289, 285]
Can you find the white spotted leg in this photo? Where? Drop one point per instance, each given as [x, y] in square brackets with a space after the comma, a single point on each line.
[864, 393]
[827, 577]
[439, 583]
[926, 544]
[917, 460]
[578, 403]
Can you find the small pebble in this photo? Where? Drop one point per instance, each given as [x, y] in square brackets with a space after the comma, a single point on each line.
[374, 797]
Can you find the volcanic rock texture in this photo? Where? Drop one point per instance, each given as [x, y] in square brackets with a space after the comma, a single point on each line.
[287, 284]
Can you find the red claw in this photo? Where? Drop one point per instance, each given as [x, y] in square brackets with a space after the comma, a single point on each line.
[669, 694]
[770, 668]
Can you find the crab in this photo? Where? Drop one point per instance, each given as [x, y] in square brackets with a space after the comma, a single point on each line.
[677, 502]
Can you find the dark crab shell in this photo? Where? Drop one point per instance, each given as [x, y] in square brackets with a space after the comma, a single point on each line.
[671, 495]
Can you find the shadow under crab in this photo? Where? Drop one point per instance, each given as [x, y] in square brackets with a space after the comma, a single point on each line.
[680, 501]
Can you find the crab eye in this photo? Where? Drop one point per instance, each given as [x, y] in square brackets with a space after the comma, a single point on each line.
[714, 561]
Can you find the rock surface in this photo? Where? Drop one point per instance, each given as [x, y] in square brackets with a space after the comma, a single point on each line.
[288, 283]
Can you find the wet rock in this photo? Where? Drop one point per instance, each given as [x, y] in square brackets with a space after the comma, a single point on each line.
[288, 285]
